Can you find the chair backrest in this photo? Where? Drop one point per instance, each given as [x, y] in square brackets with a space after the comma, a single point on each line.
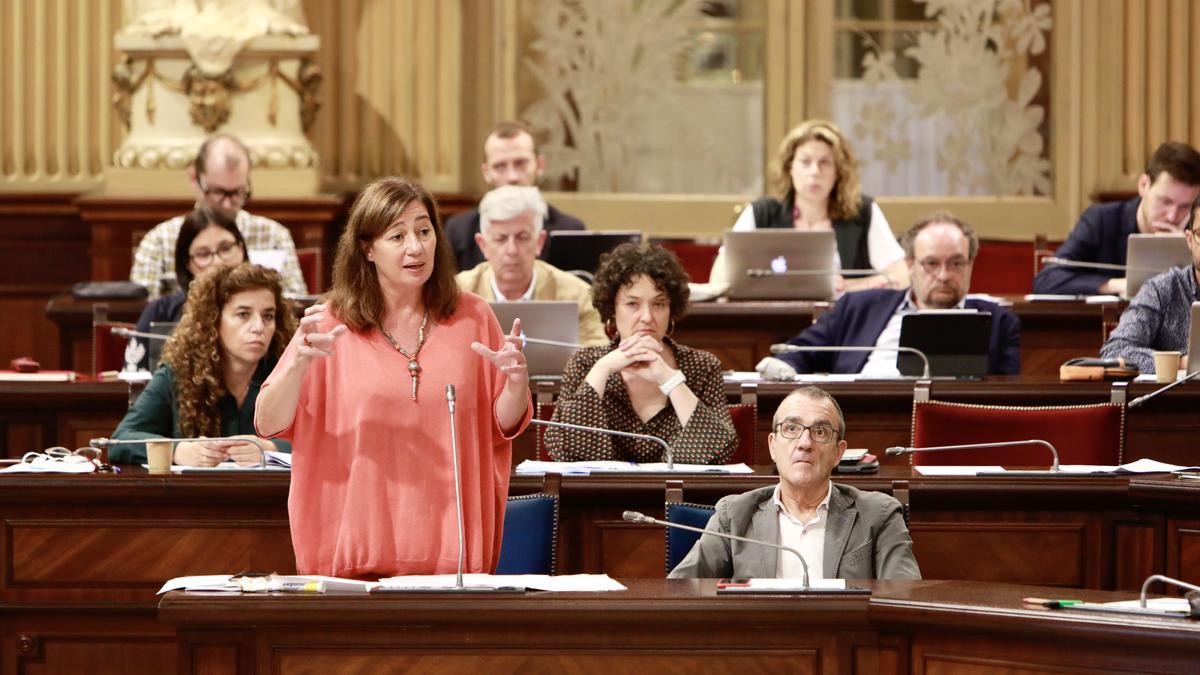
[1082, 434]
[530, 543]
[696, 255]
[1042, 249]
[1110, 316]
[744, 416]
[312, 267]
[678, 541]
[108, 350]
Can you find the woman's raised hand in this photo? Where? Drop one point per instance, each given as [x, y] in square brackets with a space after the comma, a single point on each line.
[313, 343]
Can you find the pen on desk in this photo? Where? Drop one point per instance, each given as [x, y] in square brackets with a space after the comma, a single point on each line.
[1052, 604]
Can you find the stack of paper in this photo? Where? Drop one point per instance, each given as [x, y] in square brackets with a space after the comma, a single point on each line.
[574, 583]
[535, 468]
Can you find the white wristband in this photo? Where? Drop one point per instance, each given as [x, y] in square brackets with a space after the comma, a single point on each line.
[674, 381]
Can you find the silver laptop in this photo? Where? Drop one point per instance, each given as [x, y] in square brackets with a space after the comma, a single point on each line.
[780, 264]
[1193, 351]
[544, 320]
[1152, 254]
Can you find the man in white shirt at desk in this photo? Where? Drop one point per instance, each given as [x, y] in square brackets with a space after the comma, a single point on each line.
[842, 532]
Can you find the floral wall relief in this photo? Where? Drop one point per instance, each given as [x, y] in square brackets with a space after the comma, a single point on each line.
[973, 77]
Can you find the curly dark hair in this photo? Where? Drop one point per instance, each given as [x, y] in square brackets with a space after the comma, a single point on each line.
[620, 266]
[194, 350]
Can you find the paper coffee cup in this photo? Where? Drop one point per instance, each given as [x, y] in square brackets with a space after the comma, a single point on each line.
[1166, 366]
[158, 456]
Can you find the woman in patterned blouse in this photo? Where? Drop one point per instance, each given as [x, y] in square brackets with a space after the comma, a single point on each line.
[642, 381]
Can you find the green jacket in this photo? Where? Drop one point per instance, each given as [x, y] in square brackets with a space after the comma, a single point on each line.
[156, 414]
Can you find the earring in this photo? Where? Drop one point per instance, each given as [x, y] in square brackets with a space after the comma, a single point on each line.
[671, 328]
[610, 328]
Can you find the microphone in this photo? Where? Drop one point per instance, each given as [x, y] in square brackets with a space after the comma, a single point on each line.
[759, 273]
[1067, 262]
[128, 332]
[626, 434]
[1142, 399]
[526, 341]
[1054, 469]
[104, 443]
[635, 517]
[786, 348]
[458, 502]
[1193, 597]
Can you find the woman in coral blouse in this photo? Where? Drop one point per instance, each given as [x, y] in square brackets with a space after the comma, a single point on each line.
[361, 393]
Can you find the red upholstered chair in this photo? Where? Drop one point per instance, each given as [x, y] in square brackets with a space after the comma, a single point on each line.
[1082, 434]
[745, 419]
[696, 255]
[312, 267]
[1042, 249]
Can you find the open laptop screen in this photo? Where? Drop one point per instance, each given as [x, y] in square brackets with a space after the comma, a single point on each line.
[546, 320]
[955, 341]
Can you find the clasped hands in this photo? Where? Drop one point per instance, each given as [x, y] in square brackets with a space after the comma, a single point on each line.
[640, 356]
[238, 449]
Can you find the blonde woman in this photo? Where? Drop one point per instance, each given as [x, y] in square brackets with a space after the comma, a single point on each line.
[815, 180]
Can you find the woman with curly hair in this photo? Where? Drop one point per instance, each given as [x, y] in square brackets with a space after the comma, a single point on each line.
[815, 179]
[235, 327]
[642, 381]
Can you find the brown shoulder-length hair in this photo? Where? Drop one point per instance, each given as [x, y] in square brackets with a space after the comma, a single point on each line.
[194, 350]
[620, 266]
[356, 296]
[843, 200]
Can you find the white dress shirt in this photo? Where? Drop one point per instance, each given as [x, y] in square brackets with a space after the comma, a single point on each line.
[525, 297]
[883, 364]
[807, 538]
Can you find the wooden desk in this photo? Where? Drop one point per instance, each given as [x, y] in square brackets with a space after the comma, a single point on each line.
[82, 556]
[672, 626]
[739, 333]
[38, 415]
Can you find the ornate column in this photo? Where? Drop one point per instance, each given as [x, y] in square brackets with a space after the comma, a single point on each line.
[245, 69]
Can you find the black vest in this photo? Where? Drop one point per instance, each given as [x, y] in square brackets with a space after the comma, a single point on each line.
[851, 234]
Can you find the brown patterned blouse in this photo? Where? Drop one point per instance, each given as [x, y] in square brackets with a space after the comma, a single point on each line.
[708, 438]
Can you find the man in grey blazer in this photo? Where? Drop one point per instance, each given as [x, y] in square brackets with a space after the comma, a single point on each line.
[842, 532]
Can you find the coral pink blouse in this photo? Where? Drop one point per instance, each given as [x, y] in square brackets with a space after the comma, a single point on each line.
[372, 490]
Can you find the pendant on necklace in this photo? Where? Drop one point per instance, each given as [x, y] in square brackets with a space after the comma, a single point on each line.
[414, 371]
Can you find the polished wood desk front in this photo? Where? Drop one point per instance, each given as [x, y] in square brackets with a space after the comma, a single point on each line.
[82, 556]
[673, 626]
[739, 333]
[39, 415]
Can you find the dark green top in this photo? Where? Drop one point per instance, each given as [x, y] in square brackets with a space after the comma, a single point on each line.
[156, 414]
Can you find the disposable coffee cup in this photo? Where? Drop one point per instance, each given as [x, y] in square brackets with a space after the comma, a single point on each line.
[158, 456]
[1166, 366]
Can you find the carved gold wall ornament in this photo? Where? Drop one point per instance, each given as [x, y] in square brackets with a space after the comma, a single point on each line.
[209, 97]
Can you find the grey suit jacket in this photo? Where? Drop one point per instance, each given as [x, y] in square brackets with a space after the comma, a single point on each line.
[865, 538]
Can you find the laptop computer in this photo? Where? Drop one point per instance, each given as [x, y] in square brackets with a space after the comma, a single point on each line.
[955, 341]
[1152, 254]
[1193, 352]
[780, 264]
[155, 349]
[544, 320]
[572, 250]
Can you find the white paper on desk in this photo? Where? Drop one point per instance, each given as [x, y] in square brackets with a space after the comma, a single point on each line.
[534, 467]
[742, 376]
[204, 582]
[47, 465]
[1152, 466]
[1152, 378]
[1157, 604]
[829, 377]
[795, 584]
[1088, 468]
[135, 376]
[575, 583]
[1101, 299]
[1051, 297]
[661, 467]
[229, 466]
[956, 470]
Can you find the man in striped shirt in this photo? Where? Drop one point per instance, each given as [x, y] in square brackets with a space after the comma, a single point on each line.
[220, 177]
